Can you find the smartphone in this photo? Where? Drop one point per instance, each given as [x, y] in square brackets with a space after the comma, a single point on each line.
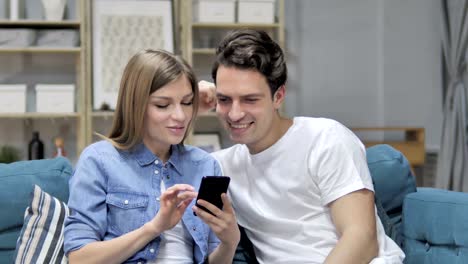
[211, 188]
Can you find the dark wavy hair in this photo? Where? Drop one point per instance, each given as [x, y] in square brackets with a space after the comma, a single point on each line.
[252, 50]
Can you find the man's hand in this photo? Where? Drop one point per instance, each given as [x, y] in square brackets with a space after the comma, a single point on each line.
[224, 224]
[207, 95]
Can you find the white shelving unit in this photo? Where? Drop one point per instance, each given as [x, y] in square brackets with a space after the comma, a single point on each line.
[71, 57]
[84, 121]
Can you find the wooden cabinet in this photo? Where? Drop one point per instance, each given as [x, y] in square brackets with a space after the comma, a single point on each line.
[408, 140]
[45, 64]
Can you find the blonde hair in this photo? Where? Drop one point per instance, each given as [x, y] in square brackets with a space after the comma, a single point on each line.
[146, 72]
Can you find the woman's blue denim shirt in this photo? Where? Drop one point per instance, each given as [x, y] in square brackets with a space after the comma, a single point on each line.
[113, 192]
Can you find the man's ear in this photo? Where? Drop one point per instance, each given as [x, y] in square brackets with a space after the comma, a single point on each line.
[278, 97]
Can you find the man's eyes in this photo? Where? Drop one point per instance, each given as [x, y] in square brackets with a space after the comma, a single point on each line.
[247, 100]
[223, 99]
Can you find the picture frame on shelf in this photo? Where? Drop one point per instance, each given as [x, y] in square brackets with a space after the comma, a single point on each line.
[121, 29]
[209, 142]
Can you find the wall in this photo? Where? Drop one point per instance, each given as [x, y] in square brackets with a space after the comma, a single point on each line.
[366, 62]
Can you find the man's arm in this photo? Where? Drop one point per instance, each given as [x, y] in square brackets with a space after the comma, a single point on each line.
[207, 96]
[354, 218]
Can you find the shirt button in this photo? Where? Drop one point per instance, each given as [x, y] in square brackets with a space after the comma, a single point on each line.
[152, 250]
[168, 177]
[194, 228]
[126, 202]
[156, 172]
[156, 162]
[157, 198]
[139, 262]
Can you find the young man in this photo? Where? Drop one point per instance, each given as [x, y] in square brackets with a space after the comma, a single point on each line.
[300, 187]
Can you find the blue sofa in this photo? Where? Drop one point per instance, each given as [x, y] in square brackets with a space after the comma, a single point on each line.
[430, 224]
[16, 186]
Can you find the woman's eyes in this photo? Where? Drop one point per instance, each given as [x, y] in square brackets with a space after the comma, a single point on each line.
[163, 106]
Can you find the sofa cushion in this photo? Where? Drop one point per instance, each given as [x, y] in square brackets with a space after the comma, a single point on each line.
[16, 184]
[393, 180]
[435, 226]
[391, 175]
[41, 238]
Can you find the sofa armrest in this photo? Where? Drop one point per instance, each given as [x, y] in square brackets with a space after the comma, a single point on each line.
[435, 226]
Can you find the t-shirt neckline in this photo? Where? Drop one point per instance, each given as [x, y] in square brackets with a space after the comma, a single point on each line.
[267, 153]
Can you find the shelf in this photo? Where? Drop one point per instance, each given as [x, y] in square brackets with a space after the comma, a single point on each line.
[109, 114]
[105, 114]
[412, 146]
[206, 51]
[38, 115]
[387, 129]
[207, 114]
[235, 25]
[39, 24]
[40, 50]
[414, 151]
[64, 63]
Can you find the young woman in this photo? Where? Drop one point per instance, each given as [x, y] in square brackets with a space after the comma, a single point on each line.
[132, 195]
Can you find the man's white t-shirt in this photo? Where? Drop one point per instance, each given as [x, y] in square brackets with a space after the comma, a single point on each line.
[281, 194]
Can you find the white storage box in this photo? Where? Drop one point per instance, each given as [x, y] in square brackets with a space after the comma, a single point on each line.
[256, 11]
[17, 37]
[58, 38]
[12, 98]
[214, 11]
[55, 98]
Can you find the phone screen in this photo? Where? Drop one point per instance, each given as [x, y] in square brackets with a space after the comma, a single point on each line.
[211, 188]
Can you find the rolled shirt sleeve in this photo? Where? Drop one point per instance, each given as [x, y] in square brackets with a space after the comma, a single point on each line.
[88, 217]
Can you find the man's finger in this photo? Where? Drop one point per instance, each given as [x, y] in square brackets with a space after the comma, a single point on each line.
[206, 217]
[227, 206]
[210, 207]
[204, 83]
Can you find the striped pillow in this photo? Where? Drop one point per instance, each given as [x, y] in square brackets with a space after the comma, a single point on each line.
[41, 238]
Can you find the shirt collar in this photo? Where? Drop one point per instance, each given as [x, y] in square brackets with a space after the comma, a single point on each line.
[145, 157]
